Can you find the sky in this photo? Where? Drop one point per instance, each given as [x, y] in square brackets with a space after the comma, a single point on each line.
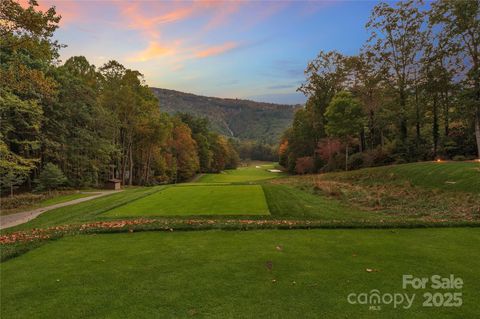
[238, 49]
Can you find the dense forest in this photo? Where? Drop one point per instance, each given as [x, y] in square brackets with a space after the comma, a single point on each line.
[79, 125]
[411, 94]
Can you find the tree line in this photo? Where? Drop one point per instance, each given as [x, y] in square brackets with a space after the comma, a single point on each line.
[412, 93]
[92, 123]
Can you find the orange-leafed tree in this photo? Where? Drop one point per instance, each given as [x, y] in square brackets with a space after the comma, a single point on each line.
[184, 151]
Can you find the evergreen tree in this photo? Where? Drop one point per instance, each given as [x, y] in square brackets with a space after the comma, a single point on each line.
[50, 178]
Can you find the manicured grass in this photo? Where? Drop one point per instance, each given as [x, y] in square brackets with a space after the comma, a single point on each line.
[241, 175]
[198, 200]
[450, 176]
[64, 198]
[256, 274]
[86, 211]
[289, 202]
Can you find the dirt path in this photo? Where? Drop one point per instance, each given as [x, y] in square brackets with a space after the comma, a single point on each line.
[23, 217]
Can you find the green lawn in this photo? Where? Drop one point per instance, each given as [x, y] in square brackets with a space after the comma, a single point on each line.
[198, 200]
[256, 274]
[241, 175]
[64, 198]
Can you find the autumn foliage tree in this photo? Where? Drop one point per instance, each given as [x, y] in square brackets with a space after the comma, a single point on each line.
[345, 119]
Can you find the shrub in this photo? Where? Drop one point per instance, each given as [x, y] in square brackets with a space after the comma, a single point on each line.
[22, 200]
[459, 158]
[50, 178]
[356, 161]
[376, 157]
[304, 165]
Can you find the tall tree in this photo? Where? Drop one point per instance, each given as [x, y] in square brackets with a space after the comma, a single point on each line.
[27, 52]
[325, 77]
[460, 22]
[344, 119]
[397, 38]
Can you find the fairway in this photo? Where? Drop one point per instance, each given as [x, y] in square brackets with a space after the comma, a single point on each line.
[198, 200]
[255, 274]
[241, 174]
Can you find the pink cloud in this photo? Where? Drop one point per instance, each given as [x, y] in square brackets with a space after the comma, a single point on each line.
[216, 50]
[154, 51]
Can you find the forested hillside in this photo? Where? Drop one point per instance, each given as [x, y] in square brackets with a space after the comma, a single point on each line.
[73, 124]
[411, 94]
[244, 119]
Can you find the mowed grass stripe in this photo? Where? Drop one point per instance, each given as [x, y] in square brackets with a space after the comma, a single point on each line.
[241, 174]
[198, 200]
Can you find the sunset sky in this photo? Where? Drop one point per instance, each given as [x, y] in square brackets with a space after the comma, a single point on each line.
[255, 50]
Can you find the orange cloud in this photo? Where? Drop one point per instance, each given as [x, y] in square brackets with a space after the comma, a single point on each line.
[138, 19]
[153, 51]
[177, 53]
[216, 50]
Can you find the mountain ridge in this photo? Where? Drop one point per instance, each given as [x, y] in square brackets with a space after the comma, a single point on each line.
[238, 118]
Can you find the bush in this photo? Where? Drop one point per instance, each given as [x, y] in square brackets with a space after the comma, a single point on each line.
[376, 157]
[22, 200]
[356, 161]
[459, 158]
[50, 178]
[304, 165]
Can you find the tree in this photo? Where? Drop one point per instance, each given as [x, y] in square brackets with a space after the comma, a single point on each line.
[184, 151]
[325, 77]
[397, 41]
[460, 22]
[13, 168]
[27, 52]
[200, 133]
[344, 117]
[366, 80]
[50, 178]
[304, 165]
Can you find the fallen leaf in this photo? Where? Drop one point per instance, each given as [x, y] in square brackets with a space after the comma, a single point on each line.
[269, 265]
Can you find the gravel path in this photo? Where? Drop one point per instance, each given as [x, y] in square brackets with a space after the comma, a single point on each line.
[23, 217]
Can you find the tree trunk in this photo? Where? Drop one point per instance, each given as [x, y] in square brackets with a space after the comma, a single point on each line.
[403, 116]
[477, 129]
[446, 116]
[417, 117]
[362, 140]
[130, 170]
[382, 139]
[346, 157]
[371, 124]
[477, 112]
[435, 126]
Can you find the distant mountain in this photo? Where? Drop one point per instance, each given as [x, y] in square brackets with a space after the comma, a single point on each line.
[243, 119]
